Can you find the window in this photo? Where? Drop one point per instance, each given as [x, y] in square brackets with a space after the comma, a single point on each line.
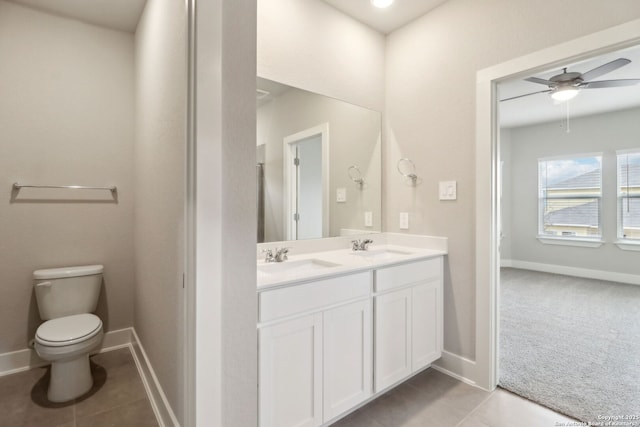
[629, 195]
[569, 194]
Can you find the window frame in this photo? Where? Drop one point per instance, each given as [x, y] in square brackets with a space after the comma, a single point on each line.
[624, 242]
[571, 240]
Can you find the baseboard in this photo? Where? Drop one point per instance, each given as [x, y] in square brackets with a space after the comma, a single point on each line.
[457, 367]
[506, 263]
[159, 402]
[23, 360]
[632, 279]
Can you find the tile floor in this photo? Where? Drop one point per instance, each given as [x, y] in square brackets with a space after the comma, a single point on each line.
[435, 399]
[118, 397]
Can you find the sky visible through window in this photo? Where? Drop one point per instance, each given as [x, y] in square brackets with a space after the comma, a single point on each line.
[555, 171]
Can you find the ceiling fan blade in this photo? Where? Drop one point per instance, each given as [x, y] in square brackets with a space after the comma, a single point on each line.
[610, 83]
[604, 69]
[539, 81]
[526, 94]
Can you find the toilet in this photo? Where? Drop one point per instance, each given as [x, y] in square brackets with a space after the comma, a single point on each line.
[66, 298]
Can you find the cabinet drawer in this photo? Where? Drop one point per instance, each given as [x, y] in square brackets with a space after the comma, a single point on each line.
[313, 295]
[406, 274]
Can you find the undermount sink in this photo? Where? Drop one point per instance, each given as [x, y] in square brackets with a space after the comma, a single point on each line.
[301, 266]
[381, 254]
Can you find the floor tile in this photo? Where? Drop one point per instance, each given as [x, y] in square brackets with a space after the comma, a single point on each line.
[505, 409]
[441, 387]
[23, 401]
[138, 414]
[117, 394]
[114, 387]
[404, 406]
[360, 418]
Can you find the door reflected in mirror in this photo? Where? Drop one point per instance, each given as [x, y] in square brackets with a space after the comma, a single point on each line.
[308, 147]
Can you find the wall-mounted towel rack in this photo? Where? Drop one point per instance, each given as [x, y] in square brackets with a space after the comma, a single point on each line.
[113, 188]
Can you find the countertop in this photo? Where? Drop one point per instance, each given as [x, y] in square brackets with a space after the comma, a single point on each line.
[316, 265]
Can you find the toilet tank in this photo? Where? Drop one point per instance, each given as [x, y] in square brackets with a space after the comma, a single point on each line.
[67, 290]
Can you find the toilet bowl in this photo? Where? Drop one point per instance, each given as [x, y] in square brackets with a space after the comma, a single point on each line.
[66, 343]
[66, 297]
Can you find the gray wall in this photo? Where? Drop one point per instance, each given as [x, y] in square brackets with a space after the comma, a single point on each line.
[310, 45]
[431, 67]
[604, 133]
[424, 76]
[66, 118]
[161, 88]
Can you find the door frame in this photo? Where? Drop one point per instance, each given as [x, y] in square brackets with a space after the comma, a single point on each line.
[289, 178]
[486, 369]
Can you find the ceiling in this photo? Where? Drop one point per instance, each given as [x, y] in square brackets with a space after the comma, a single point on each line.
[122, 15]
[386, 20]
[541, 108]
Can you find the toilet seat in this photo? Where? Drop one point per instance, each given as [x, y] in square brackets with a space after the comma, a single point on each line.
[68, 330]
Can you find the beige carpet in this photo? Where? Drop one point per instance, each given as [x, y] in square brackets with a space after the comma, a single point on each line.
[571, 344]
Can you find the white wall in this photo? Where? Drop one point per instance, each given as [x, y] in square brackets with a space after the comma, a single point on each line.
[310, 45]
[161, 107]
[431, 67]
[66, 118]
[604, 133]
[225, 215]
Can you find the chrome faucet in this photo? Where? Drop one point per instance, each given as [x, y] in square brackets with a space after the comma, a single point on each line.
[279, 255]
[363, 245]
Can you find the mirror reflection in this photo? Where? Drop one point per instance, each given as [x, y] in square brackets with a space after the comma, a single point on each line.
[318, 165]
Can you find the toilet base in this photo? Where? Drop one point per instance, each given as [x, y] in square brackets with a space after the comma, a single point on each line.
[70, 379]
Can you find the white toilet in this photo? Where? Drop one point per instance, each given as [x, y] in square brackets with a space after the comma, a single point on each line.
[66, 297]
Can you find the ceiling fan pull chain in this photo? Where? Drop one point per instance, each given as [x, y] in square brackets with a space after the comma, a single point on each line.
[568, 129]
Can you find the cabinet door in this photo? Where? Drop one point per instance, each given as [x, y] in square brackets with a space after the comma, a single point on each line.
[426, 324]
[347, 357]
[392, 338]
[290, 387]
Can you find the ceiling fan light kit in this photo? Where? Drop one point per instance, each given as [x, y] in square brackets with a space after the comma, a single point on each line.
[566, 85]
[564, 93]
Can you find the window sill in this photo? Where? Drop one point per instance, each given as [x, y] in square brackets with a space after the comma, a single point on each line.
[571, 241]
[628, 245]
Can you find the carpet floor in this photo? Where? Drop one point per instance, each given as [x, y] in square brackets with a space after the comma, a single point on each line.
[571, 344]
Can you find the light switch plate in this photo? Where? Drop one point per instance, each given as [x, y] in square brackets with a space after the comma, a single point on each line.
[404, 220]
[448, 190]
[368, 219]
[341, 195]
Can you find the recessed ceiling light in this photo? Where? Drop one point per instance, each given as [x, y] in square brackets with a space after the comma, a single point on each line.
[382, 3]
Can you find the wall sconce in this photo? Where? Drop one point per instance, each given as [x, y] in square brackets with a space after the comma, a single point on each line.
[407, 169]
[355, 175]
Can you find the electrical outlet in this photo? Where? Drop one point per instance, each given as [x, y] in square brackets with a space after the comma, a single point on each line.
[368, 219]
[341, 195]
[404, 220]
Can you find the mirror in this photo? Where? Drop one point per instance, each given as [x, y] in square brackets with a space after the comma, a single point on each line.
[318, 165]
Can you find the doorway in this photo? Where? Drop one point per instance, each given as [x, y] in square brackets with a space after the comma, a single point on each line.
[487, 176]
[306, 213]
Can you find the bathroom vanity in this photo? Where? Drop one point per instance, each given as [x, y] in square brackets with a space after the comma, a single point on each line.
[337, 328]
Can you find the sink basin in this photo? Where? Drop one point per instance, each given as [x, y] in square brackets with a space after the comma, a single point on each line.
[297, 267]
[381, 254]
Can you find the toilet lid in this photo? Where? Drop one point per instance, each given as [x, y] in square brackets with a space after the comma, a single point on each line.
[69, 329]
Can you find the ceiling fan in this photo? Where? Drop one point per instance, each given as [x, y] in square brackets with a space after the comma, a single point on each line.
[566, 85]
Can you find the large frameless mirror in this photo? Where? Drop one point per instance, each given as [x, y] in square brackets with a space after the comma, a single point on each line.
[318, 165]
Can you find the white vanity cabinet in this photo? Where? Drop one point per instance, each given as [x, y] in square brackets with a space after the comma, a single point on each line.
[408, 319]
[328, 345]
[314, 366]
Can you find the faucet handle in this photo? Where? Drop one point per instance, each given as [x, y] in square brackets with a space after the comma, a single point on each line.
[355, 245]
[365, 244]
[268, 255]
